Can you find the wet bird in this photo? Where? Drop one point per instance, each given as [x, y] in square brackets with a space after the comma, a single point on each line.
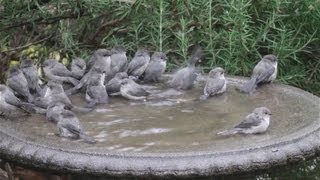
[31, 74]
[254, 123]
[58, 72]
[11, 106]
[55, 92]
[101, 58]
[78, 67]
[216, 83]
[156, 67]
[113, 86]
[264, 71]
[139, 63]
[67, 122]
[96, 92]
[119, 60]
[184, 78]
[19, 84]
[133, 91]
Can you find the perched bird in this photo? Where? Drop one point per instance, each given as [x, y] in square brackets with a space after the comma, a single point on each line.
[78, 67]
[156, 67]
[54, 110]
[113, 86]
[131, 90]
[216, 83]
[31, 74]
[19, 84]
[55, 92]
[58, 72]
[254, 123]
[67, 122]
[184, 78]
[264, 71]
[101, 58]
[11, 106]
[96, 92]
[139, 63]
[119, 60]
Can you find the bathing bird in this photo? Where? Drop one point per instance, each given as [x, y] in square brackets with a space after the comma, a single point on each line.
[156, 67]
[254, 123]
[216, 83]
[139, 63]
[264, 71]
[184, 78]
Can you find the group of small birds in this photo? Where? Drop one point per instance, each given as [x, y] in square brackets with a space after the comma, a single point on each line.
[107, 73]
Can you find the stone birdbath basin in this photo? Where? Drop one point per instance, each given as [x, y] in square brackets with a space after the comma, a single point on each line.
[172, 134]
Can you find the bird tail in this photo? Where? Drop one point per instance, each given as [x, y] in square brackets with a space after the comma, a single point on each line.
[228, 132]
[72, 80]
[30, 108]
[81, 109]
[249, 86]
[81, 134]
[196, 55]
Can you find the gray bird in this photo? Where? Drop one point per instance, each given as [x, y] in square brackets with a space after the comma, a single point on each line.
[19, 84]
[254, 123]
[131, 90]
[55, 92]
[216, 83]
[67, 122]
[78, 67]
[264, 71]
[139, 63]
[184, 78]
[119, 60]
[31, 74]
[113, 86]
[156, 67]
[11, 106]
[96, 92]
[58, 72]
[54, 110]
[101, 58]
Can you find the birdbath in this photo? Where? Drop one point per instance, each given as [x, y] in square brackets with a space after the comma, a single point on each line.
[172, 133]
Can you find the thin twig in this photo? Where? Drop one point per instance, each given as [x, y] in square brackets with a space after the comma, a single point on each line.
[27, 45]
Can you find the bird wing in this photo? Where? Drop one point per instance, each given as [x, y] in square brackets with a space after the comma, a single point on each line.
[213, 86]
[137, 90]
[262, 71]
[251, 120]
[136, 62]
[60, 70]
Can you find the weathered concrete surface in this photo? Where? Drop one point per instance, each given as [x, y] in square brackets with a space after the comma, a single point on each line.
[300, 144]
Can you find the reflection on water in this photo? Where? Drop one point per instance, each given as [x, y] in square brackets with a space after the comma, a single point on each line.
[175, 121]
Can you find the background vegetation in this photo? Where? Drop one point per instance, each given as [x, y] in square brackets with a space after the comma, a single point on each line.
[233, 33]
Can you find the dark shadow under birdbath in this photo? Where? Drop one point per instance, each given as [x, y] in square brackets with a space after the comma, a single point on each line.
[172, 133]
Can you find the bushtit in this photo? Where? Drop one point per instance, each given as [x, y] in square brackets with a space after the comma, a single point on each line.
[119, 60]
[156, 67]
[113, 86]
[31, 74]
[100, 57]
[18, 83]
[78, 67]
[11, 106]
[254, 123]
[131, 90]
[185, 77]
[58, 72]
[67, 122]
[55, 93]
[216, 83]
[139, 63]
[264, 71]
[96, 92]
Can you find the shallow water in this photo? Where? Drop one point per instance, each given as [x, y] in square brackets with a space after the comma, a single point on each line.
[172, 121]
